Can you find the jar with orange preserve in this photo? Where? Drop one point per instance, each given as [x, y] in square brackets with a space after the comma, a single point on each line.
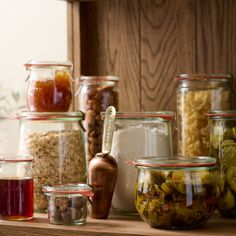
[50, 86]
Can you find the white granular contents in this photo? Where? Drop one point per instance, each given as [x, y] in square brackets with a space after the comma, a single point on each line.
[131, 143]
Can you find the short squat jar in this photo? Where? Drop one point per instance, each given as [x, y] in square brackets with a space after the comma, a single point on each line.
[197, 94]
[50, 86]
[223, 147]
[56, 143]
[175, 193]
[95, 95]
[136, 135]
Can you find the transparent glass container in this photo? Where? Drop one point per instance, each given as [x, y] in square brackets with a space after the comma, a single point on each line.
[56, 143]
[197, 94]
[223, 147]
[16, 188]
[175, 193]
[136, 135]
[50, 86]
[95, 95]
[67, 203]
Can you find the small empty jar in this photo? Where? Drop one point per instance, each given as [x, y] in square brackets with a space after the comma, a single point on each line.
[67, 203]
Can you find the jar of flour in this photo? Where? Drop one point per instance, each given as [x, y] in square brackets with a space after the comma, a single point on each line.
[137, 135]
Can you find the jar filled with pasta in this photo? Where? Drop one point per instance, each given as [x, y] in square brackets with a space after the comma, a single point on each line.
[223, 147]
[197, 94]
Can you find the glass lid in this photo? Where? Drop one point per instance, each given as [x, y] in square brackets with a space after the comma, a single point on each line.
[203, 76]
[33, 63]
[221, 113]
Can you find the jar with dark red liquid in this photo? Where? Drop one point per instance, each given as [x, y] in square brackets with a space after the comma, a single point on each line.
[16, 188]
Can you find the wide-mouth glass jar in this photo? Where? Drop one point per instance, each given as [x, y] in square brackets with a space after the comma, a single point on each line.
[223, 147]
[16, 188]
[137, 134]
[67, 203]
[175, 192]
[56, 142]
[197, 94]
[50, 86]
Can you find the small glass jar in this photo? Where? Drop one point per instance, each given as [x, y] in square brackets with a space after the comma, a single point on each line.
[96, 94]
[223, 147]
[16, 188]
[67, 203]
[56, 142]
[175, 193]
[50, 86]
[136, 135]
[197, 94]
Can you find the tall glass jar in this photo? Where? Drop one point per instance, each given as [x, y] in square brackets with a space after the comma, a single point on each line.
[137, 135]
[50, 86]
[96, 94]
[56, 143]
[223, 147]
[197, 94]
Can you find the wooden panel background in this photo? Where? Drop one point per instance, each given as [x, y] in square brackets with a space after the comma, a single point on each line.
[148, 42]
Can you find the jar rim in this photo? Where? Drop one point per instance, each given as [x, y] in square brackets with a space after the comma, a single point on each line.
[61, 189]
[175, 161]
[25, 115]
[15, 158]
[99, 78]
[32, 63]
[199, 77]
[221, 113]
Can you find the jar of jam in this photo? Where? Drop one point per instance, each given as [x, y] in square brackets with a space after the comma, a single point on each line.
[16, 188]
[50, 86]
[95, 95]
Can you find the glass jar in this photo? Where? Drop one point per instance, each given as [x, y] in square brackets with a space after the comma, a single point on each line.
[176, 192]
[96, 94]
[56, 142]
[136, 135]
[197, 94]
[223, 147]
[67, 203]
[16, 188]
[50, 86]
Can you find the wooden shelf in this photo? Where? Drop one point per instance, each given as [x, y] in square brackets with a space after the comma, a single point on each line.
[115, 225]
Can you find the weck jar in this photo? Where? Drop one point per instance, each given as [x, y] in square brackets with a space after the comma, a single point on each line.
[50, 86]
[223, 147]
[56, 143]
[136, 135]
[95, 95]
[197, 94]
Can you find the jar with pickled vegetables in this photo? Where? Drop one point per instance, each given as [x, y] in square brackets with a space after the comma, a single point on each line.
[175, 192]
[50, 86]
[197, 94]
[223, 147]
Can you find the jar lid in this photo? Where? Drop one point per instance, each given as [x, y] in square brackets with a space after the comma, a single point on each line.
[31, 64]
[175, 162]
[99, 78]
[15, 158]
[203, 77]
[221, 113]
[61, 189]
[67, 116]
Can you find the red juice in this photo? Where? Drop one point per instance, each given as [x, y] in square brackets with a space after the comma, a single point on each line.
[16, 199]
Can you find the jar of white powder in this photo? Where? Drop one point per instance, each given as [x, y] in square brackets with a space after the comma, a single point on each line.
[137, 135]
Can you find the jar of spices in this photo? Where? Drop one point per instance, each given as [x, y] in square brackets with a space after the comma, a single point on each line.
[197, 94]
[223, 147]
[137, 135]
[56, 143]
[96, 94]
[16, 188]
[50, 86]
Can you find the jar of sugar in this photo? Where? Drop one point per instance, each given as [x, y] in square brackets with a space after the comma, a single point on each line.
[137, 135]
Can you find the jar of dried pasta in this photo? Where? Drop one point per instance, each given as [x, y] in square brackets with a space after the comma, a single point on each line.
[197, 94]
[55, 141]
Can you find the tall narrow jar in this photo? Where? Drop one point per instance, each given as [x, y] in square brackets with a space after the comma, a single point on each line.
[197, 94]
[137, 135]
[96, 94]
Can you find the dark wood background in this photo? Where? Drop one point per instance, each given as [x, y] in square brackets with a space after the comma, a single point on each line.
[148, 42]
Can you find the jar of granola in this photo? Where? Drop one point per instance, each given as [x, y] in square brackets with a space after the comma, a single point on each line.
[96, 94]
[56, 143]
[197, 94]
[50, 86]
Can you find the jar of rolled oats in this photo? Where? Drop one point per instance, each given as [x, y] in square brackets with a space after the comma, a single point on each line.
[56, 143]
[197, 94]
